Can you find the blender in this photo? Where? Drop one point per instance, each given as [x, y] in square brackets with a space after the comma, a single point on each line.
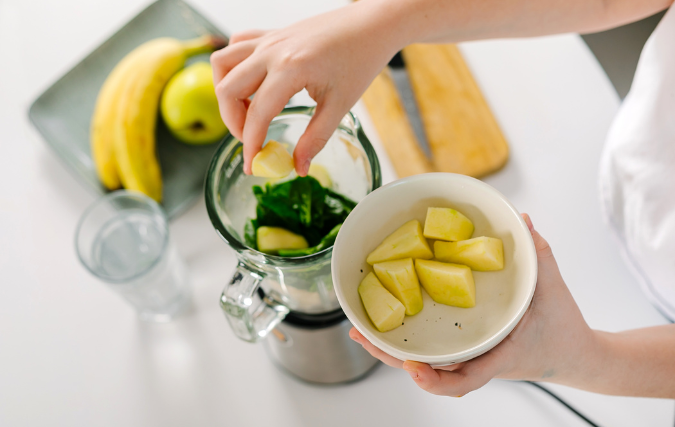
[289, 303]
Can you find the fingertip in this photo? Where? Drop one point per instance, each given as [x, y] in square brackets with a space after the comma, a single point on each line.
[410, 367]
[302, 167]
[528, 221]
[319, 131]
[420, 370]
[355, 335]
[304, 152]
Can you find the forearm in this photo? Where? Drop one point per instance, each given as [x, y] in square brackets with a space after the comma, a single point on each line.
[640, 362]
[413, 21]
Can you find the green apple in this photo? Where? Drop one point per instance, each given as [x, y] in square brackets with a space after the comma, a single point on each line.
[190, 108]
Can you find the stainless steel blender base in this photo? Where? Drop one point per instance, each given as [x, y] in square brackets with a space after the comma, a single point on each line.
[319, 355]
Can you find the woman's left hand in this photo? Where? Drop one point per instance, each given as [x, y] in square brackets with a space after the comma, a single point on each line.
[550, 341]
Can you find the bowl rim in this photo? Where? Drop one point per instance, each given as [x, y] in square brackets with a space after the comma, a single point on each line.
[449, 358]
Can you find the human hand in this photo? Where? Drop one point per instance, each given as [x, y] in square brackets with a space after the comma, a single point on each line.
[334, 56]
[549, 342]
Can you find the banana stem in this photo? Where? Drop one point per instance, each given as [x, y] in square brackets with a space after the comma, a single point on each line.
[203, 44]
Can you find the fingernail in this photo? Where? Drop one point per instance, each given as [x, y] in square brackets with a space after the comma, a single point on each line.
[528, 221]
[413, 373]
[305, 167]
[411, 369]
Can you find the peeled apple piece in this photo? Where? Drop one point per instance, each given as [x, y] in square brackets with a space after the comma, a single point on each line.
[406, 242]
[320, 173]
[271, 239]
[447, 224]
[399, 278]
[384, 310]
[273, 161]
[449, 284]
[480, 253]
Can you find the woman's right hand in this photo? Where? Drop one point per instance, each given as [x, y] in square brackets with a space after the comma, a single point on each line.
[334, 56]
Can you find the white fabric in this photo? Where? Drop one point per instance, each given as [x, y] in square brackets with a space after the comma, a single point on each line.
[637, 173]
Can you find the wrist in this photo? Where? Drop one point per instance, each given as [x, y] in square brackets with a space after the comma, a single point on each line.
[388, 21]
[418, 21]
[586, 361]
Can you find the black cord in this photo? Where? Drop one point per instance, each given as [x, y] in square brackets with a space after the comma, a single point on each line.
[567, 405]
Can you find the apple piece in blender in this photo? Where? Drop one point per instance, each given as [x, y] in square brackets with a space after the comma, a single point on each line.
[449, 284]
[273, 161]
[271, 239]
[447, 224]
[383, 309]
[190, 108]
[480, 253]
[320, 173]
[406, 242]
[399, 278]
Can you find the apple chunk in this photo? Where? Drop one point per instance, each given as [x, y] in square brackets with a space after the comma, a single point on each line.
[384, 310]
[447, 224]
[273, 161]
[271, 239]
[399, 278]
[480, 253]
[449, 284]
[320, 173]
[406, 242]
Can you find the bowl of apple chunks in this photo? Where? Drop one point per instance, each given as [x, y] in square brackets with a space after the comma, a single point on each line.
[437, 268]
[403, 261]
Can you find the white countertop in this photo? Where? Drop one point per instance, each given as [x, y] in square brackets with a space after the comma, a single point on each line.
[74, 354]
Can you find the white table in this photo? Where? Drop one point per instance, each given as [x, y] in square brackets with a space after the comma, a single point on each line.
[73, 354]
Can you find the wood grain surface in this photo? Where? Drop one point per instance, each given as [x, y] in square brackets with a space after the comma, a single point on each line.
[463, 135]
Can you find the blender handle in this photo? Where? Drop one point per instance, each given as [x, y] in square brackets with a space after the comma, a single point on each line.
[251, 316]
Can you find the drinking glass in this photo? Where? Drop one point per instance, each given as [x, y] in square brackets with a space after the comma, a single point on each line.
[123, 239]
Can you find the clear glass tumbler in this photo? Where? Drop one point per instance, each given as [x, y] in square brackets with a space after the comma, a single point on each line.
[123, 239]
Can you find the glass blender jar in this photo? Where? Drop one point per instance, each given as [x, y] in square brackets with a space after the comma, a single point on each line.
[292, 297]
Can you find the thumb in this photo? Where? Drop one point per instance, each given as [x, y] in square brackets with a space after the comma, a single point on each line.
[540, 244]
[324, 122]
[545, 259]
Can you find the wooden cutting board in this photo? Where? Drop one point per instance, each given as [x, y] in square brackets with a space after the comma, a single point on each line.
[391, 122]
[463, 135]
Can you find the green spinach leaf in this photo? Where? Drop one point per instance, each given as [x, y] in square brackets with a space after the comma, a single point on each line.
[304, 207]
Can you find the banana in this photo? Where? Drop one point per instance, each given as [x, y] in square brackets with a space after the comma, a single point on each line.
[123, 124]
[104, 115]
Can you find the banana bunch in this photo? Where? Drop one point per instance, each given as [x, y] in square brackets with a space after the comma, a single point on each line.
[123, 124]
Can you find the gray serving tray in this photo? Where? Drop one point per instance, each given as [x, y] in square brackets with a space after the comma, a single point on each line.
[63, 112]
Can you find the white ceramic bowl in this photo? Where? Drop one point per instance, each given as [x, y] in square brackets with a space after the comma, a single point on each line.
[502, 297]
